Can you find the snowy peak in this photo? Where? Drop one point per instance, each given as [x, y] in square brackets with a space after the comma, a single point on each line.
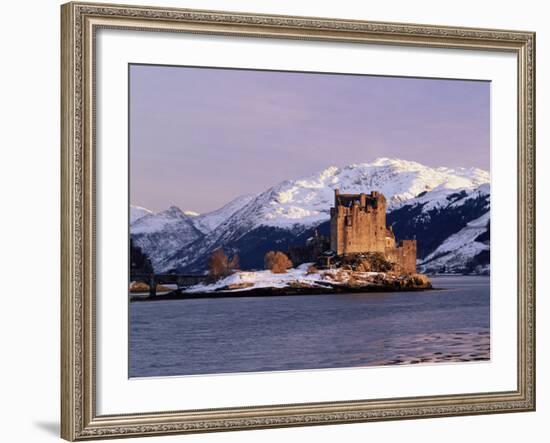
[427, 203]
[191, 213]
[474, 174]
[159, 235]
[162, 234]
[137, 212]
[208, 222]
[169, 218]
[143, 220]
[174, 212]
[307, 200]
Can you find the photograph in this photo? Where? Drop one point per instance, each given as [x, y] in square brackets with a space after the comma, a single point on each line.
[289, 220]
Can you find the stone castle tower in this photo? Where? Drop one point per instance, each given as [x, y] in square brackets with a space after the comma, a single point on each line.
[358, 224]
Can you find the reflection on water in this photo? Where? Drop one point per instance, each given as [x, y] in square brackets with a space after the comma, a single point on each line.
[184, 337]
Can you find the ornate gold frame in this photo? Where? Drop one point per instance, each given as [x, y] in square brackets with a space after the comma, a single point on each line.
[79, 420]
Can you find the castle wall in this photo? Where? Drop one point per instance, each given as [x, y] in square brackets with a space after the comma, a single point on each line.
[407, 256]
[358, 224]
[336, 231]
[363, 231]
[404, 255]
[392, 254]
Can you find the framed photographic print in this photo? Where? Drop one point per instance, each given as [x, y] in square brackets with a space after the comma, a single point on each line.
[282, 221]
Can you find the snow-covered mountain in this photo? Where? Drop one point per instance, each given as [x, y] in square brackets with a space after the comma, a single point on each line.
[136, 212]
[430, 204]
[467, 250]
[163, 234]
[159, 235]
[307, 201]
[208, 222]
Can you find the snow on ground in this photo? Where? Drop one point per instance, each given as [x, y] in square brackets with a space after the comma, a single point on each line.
[248, 280]
[261, 279]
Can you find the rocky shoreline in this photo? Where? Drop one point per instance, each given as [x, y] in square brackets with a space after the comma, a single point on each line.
[353, 283]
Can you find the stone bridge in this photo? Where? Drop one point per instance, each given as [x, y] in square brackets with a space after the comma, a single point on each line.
[181, 280]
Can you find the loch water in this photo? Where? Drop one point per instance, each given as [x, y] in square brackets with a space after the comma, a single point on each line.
[251, 334]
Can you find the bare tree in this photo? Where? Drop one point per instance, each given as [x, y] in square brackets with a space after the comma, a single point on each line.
[234, 263]
[277, 262]
[217, 264]
[268, 259]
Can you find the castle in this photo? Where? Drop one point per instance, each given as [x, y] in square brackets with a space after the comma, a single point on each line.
[358, 225]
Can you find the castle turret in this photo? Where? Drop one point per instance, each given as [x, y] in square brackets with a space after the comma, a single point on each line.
[358, 225]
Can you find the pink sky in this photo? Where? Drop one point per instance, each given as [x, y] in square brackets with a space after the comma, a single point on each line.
[200, 137]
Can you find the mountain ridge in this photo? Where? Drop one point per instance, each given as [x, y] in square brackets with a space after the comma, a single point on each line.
[285, 212]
